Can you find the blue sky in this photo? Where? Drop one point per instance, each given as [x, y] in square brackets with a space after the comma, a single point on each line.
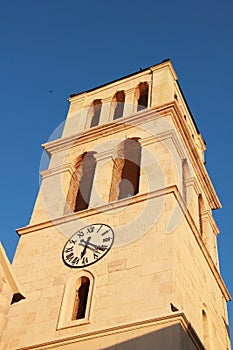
[70, 46]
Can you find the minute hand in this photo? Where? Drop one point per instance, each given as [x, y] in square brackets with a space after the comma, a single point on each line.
[93, 245]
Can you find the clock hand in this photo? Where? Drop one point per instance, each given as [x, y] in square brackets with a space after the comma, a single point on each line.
[83, 252]
[97, 247]
[87, 246]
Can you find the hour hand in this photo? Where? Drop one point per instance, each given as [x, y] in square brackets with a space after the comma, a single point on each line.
[90, 245]
[87, 246]
[83, 252]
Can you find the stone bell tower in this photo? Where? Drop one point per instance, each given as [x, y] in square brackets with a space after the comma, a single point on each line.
[121, 250]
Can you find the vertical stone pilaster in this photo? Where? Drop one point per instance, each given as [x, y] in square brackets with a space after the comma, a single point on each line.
[105, 111]
[103, 178]
[129, 102]
[76, 118]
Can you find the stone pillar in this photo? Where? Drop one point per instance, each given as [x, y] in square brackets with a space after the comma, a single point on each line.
[105, 111]
[129, 102]
[76, 118]
[162, 86]
[102, 178]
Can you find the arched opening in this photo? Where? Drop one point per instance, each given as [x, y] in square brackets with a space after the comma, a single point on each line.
[81, 299]
[143, 96]
[86, 174]
[76, 301]
[96, 110]
[126, 172]
[81, 182]
[119, 100]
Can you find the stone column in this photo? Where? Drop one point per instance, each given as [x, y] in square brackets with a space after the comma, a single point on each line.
[102, 178]
[105, 111]
[129, 107]
[76, 117]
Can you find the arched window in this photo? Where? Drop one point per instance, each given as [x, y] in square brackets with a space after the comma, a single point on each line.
[79, 193]
[76, 301]
[119, 100]
[200, 211]
[96, 110]
[126, 172]
[143, 96]
[88, 166]
[81, 296]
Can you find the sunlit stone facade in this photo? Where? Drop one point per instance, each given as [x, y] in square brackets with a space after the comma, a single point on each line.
[130, 158]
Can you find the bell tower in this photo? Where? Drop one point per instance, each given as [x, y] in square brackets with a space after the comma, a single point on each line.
[121, 251]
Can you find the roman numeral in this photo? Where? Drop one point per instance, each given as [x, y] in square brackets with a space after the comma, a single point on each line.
[103, 247]
[85, 261]
[99, 228]
[90, 229]
[68, 250]
[96, 256]
[72, 241]
[104, 233]
[70, 256]
[80, 234]
[107, 239]
[75, 261]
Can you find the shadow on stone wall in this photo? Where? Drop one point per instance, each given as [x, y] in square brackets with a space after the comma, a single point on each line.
[169, 338]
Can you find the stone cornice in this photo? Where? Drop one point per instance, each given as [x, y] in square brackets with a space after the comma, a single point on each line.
[162, 321]
[135, 120]
[198, 165]
[192, 181]
[130, 201]
[115, 84]
[207, 215]
[110, 153]
[58, 170]
[160, 137]
[100, 131]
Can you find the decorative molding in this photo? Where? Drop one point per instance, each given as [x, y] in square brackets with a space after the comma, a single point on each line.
[166, 320]
[58, 170]
[130, 91]
[198, 165]
[206, 214]
[110, 153]
[170, 134]
[107, 100]
[136, 119]
[119, 82]
[192, 182]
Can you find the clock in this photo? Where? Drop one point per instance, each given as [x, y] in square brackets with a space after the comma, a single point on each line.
[88, 245]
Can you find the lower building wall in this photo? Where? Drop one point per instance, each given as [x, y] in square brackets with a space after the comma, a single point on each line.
[171, 332]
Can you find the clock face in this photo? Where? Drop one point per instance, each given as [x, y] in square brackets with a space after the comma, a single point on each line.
[88, 245]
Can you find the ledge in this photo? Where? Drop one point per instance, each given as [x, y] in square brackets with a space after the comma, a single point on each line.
[136, 119]
[167, 320]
